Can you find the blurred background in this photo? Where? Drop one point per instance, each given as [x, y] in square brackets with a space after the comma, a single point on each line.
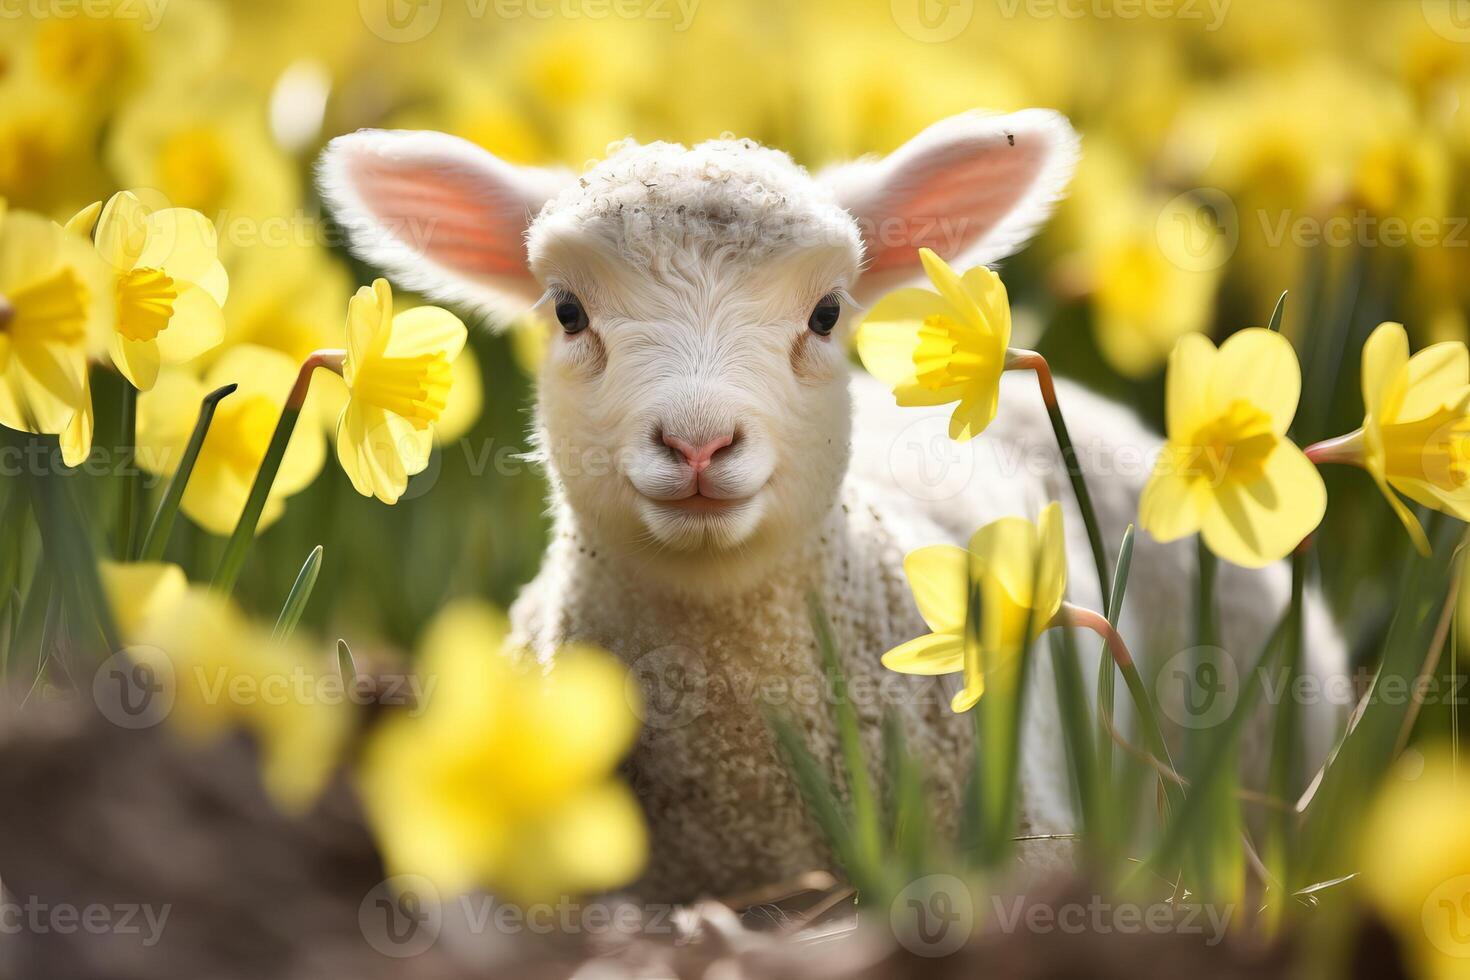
[1232, 150]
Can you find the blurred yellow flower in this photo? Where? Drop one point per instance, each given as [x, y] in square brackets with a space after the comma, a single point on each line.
[505, 777]
[1415, 437]
[208, 148]
[238, 438]
[1021, 570]
[222, 672]
[399, 372]
[1414, 857]
[287, 295]
[170, 285]
[1227, 470]
[933, 348]
[54, 301]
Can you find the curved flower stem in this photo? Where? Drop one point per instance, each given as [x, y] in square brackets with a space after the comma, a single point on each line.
[239, 545]
[1346, 449]
[1030, 360]
[1081, 618]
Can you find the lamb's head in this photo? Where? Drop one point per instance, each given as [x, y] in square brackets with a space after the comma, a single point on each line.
[693, 404]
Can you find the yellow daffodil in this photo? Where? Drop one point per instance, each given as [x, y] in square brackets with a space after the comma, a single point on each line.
[933, 348]
[54, 301]
[1021, 570]
[222, 672]
[1415, 437]
[1415, 861]
[236, 445]
[1227, 470]
[505, 777]
[170, 285]
[399, 372]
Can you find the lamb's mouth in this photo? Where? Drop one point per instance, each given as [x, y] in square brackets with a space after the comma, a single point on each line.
[700, 504]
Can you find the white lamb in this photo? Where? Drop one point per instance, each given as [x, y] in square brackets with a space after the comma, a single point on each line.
[714, 459]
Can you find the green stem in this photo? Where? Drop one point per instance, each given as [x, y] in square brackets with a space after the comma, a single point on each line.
[1087, 619]
[239, 544]
[156, 540]
[127, 507]
[1027, 360]
[1284, 740]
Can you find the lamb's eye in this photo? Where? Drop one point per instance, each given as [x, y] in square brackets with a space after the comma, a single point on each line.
[824, 316]
[571, 315]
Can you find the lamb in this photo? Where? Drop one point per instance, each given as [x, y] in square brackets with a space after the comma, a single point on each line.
[714, 459]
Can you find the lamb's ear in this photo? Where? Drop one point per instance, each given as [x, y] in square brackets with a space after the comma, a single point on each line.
[973, 188]
[439, 215]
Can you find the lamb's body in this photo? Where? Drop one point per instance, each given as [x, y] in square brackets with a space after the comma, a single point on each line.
[749, 471]
[722, 809]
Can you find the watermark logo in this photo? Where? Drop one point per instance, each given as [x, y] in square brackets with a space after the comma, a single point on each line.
[135, 688]
[401, 21]
[1198, 230]
[927, 464]
[1446, 917]
[401, 917]
[932, 21]
[668, 687]
[934, 916]
[1450, 19]
[1198, 688]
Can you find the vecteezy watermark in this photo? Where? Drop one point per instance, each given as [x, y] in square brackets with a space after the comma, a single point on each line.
[933, 916]
[138, 687]
[932, 21]
[1445, 917]
[1100, 916]
[406, 21]
[1211, 13]
[405, 915]
[148, 12]
[1450, 19]
[1198, 230]
[1363, 229]
[672, 686]
[1198, 687]
[34, 916]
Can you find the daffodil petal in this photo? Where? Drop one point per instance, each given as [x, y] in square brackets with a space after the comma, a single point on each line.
[426, 330]
[929, 655]
[122, 231]
[1256, 524]
[1008, 549]
[937, 575]
[1437, 376]
[1385, 355]
[952, 288]
[183, 243]
[1260, 367]
[196, 326]
[1405, 516]
[1168, 509]
[1187, 384]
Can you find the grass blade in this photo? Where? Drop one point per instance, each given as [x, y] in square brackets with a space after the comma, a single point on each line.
[1275, 323]
[1106, 693]
[156, 540]
[866, 828]
[299, 596]
[1076, 727]
[345, 664]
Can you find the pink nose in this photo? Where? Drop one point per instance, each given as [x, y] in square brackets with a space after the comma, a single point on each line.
[698, 457]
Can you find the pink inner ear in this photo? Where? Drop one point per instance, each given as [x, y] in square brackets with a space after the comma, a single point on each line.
[949, 203]
[458, 220]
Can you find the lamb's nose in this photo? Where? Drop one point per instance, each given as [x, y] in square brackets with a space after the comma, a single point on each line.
[699, 457]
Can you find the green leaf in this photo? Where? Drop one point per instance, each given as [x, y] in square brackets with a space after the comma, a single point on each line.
[1106, 673]
[866, 828]
[1275, 324]
[345, 664]
[1076, 727]
[156, 540]
[244, 535]
[299, 596]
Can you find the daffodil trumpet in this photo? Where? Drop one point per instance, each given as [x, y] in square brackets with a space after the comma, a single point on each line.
[1018, 359]
[1415, 436]
[239, 544]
